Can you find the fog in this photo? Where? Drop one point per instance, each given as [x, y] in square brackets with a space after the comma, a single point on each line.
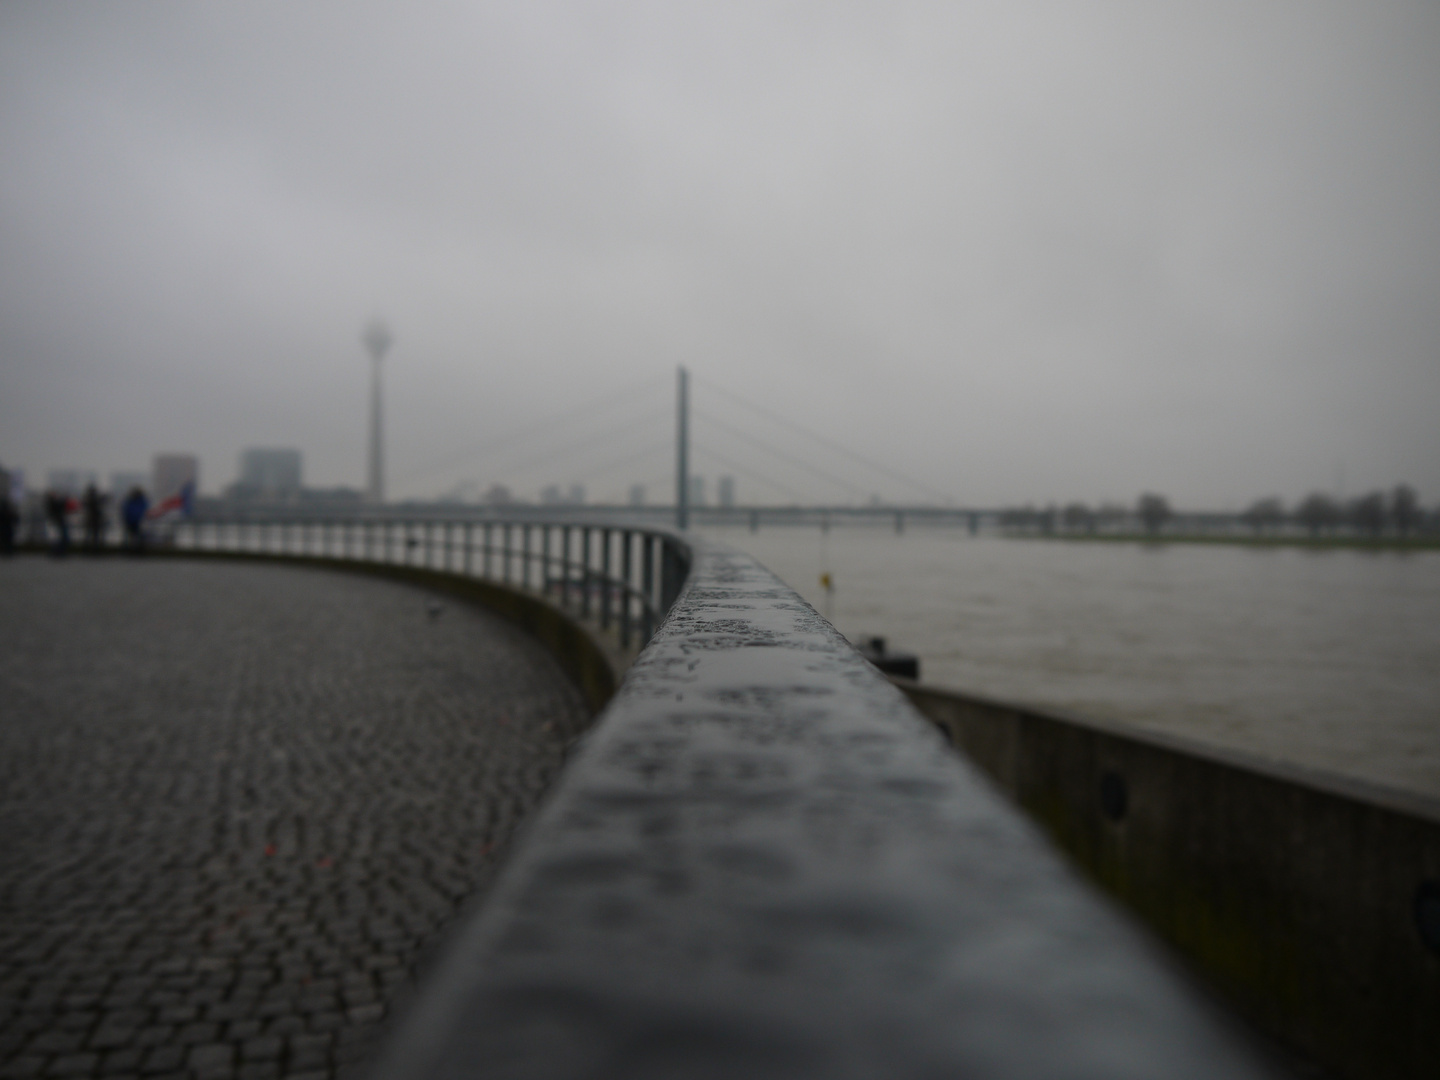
[1009, 251]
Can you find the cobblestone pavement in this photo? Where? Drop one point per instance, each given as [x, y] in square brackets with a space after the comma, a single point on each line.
[238, 803]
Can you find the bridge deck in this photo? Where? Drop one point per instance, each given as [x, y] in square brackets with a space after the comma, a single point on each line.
[240, 803]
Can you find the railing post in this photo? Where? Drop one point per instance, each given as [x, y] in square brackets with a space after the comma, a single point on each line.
[605, 583]
[545, 559]
[585, 571]
[469, 549]
[669, 575]
[625, 575]
[505, 554]
[565, 567]
[485, 553]
[525, 556]
[647, 588]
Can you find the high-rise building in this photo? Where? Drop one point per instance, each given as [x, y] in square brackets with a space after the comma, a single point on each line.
[697, 491]
[725, 491]
[637, 494]
[171, 472]
[577, 495]
[270, 474]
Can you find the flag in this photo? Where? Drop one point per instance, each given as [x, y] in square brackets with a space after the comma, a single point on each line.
[182, 502]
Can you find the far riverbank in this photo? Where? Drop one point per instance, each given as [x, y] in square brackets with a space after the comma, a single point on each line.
[1319, 543]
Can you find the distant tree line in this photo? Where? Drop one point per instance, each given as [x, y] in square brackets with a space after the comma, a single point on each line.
[1394, 513]
[1373, 515]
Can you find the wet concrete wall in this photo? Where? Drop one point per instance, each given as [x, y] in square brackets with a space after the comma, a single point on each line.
[1310, 902]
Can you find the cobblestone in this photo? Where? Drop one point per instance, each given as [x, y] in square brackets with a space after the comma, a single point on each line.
[240, 803]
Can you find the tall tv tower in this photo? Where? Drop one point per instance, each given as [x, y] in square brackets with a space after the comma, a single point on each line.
[377, 339]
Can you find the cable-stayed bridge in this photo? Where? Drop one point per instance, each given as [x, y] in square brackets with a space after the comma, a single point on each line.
[635, 446]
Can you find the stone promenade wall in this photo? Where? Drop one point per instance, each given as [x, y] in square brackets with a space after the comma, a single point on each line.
[1311, 903]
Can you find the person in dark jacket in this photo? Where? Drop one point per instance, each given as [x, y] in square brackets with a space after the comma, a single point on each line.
[57, 512]
[132, 512]
[94, 518]
[9, 518]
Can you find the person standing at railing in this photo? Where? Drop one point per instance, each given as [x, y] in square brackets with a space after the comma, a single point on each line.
[57, 511]
[9, 518]
[94, 504]
[132, 514]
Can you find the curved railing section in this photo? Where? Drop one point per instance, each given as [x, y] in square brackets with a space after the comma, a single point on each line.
[619, 577]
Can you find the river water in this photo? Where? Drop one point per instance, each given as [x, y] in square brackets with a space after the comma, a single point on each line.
[1324, 658]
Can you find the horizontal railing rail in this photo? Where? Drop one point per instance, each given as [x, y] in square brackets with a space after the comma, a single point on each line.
[620, 577]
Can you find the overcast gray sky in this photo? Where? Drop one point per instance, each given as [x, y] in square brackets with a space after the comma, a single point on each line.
[1014, 251]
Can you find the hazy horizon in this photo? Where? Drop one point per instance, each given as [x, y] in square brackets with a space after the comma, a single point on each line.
[1009, 253]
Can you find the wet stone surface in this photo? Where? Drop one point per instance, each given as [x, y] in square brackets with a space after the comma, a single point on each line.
[240, 804]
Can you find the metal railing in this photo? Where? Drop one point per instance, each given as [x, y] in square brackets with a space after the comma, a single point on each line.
[619, 576]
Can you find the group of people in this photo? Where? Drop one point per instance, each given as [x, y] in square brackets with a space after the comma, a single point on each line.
[92, 505]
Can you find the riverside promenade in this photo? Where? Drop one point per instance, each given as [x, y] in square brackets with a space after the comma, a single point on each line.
[241, 804]
[762, 861]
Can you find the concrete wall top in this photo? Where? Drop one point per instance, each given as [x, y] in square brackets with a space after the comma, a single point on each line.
[763, 862]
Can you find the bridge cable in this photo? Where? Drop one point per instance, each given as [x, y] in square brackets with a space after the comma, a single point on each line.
[653, 448]
[839, 448]
[531, 428]
[766, 480]
[549, 455]
[834, 479]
